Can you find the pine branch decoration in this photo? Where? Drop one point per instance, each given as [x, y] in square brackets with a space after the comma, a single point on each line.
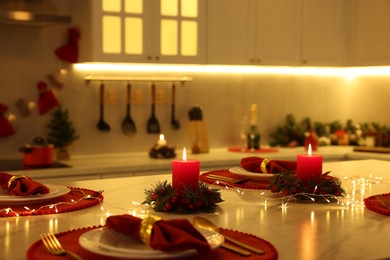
[164, 198]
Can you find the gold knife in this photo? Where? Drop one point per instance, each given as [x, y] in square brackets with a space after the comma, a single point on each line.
[232, 180]
[246, 246]
[235, 249]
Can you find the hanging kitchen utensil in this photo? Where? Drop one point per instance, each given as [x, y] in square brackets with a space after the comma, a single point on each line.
[128, 125]
[102, 125]
[153, 125]
[174, 123]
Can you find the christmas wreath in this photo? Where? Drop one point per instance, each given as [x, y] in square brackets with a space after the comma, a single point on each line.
[164, 198]
[290, 184]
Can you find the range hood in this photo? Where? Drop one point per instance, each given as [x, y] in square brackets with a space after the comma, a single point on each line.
[34, 12]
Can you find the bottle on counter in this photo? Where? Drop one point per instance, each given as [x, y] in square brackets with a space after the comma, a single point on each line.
[253, 136]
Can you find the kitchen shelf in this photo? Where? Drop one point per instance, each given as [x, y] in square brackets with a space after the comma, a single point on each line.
[32, 19]
[182, 79]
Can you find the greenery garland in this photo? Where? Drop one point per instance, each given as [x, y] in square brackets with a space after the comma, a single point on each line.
[289, 183]
[164, 198]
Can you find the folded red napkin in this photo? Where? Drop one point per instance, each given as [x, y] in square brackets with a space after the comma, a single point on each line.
[165, 235]
[262, 165]
[21, 185]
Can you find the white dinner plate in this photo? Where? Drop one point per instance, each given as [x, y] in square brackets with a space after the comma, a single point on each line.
[107, 242]
[54, 192]
[253, 175]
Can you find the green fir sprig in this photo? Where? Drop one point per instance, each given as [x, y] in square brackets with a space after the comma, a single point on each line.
[289, 183]
[164, 198]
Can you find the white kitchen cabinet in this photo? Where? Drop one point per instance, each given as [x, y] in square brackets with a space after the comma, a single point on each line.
[255, 32]
[165, 31]
[371, 37]
[277, 32]
[325, 33]
[228, 32]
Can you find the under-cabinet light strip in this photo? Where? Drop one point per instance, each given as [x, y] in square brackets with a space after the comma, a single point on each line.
[347, 72]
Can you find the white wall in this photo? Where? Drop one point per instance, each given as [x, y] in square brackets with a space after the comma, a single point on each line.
[27, 56]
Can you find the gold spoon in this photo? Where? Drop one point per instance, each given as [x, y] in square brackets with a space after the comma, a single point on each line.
[204, 223]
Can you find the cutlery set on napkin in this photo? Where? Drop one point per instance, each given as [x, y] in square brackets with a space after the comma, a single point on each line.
[127, 236]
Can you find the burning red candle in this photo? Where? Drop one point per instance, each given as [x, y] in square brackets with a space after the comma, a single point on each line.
[309, 166]
[185, 173]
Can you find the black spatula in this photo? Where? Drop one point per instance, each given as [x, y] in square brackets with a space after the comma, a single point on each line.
[153, 125]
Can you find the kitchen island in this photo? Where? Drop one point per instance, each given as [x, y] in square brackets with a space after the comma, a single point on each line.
[103, 166]
[344, 230]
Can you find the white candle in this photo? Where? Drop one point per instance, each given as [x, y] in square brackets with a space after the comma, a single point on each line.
[161, 141]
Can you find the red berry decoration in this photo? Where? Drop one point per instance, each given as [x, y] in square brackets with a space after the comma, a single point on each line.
[164, 198]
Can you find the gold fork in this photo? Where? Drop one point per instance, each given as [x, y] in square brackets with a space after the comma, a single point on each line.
[54, 247]
[95, 194]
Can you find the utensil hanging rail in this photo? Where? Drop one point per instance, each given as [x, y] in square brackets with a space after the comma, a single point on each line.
[182, 79]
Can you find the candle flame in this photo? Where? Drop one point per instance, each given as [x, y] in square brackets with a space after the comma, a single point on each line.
[161, 137]
[309, 150]
[184, 154]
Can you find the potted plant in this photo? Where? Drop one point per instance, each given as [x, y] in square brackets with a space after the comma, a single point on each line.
[61, 132]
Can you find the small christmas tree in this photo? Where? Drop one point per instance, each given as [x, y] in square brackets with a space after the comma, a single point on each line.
[61, 131]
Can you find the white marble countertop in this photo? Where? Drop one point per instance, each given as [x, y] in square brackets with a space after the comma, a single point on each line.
[124, 165]
[297, 230]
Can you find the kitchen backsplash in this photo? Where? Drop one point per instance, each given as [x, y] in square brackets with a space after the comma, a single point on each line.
[27, 56]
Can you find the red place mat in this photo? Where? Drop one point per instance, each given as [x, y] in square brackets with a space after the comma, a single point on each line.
[372, 203]
[69, 202]
[246, 150]
[252, 184]
[69, 241]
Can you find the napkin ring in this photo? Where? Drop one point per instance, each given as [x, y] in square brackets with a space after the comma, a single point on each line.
[263, 165]
[146, 228]
[14, 178]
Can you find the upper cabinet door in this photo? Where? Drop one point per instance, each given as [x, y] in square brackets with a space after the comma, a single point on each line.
[166, 31]
[277, 32]
[325, 33]
[228, 32]
[180, 30]
[371, 27]
[253, 32]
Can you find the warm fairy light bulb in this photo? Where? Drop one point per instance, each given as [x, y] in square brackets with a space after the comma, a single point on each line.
[309, 150]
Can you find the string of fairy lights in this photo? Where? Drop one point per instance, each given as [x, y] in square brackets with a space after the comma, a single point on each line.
[353, 198]
[27, 211]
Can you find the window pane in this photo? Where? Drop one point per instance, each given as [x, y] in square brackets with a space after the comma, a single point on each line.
[189, 8]
[133, 6]
[133, 35]
[189, 38]
[169, 7]
[169, 37]
[111, 5]
[111, 33]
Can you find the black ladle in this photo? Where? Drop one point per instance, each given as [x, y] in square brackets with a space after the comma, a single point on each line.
[128, 125]
[102, 125]
[174, 123]
[153, 125]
